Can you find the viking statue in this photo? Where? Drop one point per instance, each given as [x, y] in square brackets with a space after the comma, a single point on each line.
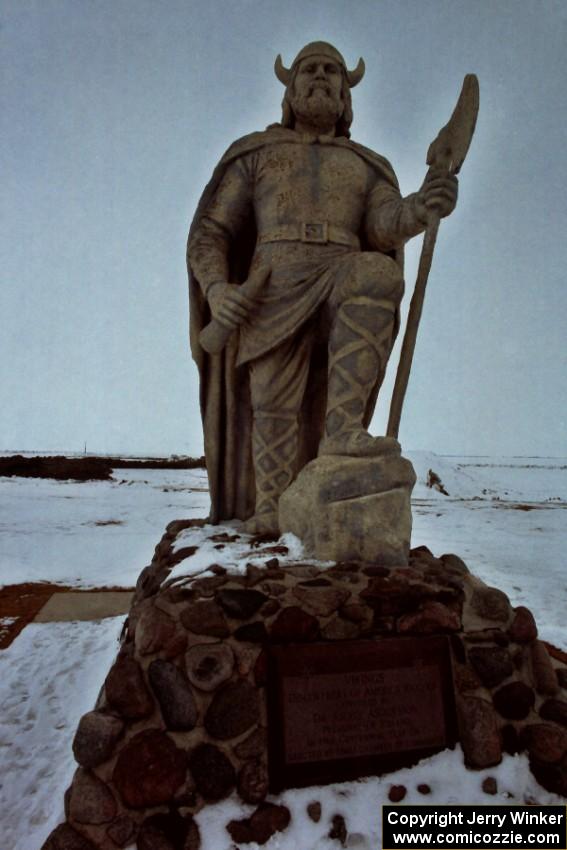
[320, 222]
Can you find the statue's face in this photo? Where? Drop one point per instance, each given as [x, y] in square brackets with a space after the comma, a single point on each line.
[319, 73]
[317, 91]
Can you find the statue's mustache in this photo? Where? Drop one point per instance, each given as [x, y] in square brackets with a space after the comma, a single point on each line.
[319, 86]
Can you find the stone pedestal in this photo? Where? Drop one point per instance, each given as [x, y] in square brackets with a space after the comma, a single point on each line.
[188, 714]
[352, 509]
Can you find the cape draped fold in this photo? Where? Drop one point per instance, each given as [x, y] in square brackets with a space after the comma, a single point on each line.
[223, 387]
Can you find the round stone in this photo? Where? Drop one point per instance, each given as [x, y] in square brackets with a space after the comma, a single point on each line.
[514, 701]
[95, 738]
[149, 770]
[64, 837]
[490, 785]
[432, 618]
[174, 694]
[556, 710]
[338, 830]
[233, 710]
[209, 665]
[493, 664]
[241, 604]
[253, 782]
[357, 613]
[208, 585]
[153, 630]
[168, 832]
[314, 811]
[480, 738]
[263, 823]
[91, 801]
[205, 618]
[545, 742]
[397, 793]
[544, 671]
[320, 600]
[122, 831]
[553, 777]
[523, 628]
[293, 624]
[491, 603]
[455, 564]
[126, 690]
[212, 771]
[268, 819]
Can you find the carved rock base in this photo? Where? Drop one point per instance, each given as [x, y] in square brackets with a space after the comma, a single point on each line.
[183, 719]
[352, 509]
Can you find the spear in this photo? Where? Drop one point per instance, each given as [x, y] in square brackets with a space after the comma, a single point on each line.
[447, 152]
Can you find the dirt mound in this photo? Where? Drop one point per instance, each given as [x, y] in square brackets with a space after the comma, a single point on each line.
[87, 468]
[58, 467]
[173, 462]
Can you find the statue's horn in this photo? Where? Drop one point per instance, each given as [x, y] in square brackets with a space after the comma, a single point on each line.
[283, 74]
[354, 77]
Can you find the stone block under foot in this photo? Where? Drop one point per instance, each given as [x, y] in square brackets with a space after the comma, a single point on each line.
[352, 509]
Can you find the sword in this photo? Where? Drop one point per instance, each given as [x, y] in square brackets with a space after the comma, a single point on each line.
[447, 151]
[215, 335]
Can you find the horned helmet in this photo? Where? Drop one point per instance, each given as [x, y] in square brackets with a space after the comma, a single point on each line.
[350, 80]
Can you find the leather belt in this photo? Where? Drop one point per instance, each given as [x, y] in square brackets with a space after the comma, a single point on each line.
[315, 232]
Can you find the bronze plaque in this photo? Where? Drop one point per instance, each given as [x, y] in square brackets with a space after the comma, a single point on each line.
[342, 710]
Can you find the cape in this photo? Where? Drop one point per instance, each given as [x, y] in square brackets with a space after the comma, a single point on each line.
[223, 387]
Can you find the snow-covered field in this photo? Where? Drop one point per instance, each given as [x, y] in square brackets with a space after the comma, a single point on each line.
[504, 517]
[95, 533]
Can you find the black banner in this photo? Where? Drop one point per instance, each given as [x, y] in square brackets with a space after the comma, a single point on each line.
[479, 827]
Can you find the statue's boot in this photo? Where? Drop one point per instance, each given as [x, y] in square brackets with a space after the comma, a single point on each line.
[359, 347]
[274, 448]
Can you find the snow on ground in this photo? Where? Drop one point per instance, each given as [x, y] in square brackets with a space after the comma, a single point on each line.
[50, 676]
[94, 533]
[359, 802]
[504, 517]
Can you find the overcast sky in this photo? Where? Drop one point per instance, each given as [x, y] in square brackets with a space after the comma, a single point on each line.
[113, 115]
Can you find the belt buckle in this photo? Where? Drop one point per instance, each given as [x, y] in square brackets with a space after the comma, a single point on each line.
[315, 231]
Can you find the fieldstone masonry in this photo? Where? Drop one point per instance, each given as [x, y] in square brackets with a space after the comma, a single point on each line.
[181, 720]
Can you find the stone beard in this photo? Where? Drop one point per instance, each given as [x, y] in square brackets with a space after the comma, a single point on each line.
[317, 106]
[301, 374]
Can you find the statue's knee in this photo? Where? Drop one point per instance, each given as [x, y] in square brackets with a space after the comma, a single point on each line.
[378, 275]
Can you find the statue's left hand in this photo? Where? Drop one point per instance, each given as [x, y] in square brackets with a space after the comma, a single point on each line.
[438, 194]
[229, 305]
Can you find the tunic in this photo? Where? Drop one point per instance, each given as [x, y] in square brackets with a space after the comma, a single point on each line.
[298, 192]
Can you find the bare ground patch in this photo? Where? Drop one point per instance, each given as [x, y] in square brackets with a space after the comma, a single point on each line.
[19, 604]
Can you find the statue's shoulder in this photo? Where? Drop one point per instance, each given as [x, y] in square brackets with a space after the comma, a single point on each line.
[378, 162]
[274, 134]
[241, 147]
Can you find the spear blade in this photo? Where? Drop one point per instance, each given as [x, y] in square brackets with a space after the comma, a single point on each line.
[450, 147]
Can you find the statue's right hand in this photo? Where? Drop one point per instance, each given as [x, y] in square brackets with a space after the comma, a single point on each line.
[228, 304]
